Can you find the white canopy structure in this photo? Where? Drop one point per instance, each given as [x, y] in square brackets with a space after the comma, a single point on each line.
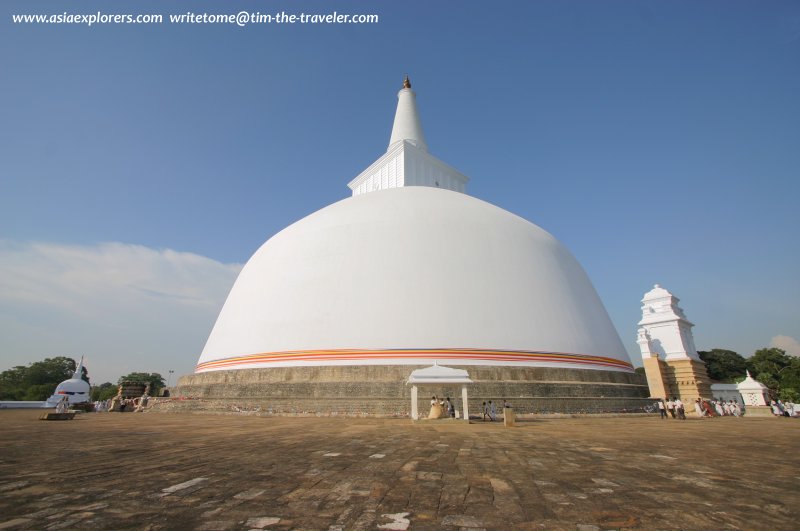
[437, 375]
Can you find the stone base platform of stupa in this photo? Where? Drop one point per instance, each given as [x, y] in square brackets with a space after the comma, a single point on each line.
[382, 391]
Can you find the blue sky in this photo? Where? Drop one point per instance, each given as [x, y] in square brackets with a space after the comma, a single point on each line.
[659, 141]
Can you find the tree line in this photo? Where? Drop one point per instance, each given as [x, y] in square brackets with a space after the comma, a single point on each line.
[38, 381]
[770, 366]
[107, 390]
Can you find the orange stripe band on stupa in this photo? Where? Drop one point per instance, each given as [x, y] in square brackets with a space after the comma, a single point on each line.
[237, 362]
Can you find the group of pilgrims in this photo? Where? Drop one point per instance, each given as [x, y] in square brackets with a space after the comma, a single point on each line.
[674, 407]
[442, 408]
[717, 407]
[788, 409]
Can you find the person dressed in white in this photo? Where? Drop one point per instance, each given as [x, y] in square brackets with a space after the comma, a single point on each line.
[679, 411]
[719, 409]
[662, 409]
[671, 407]
[436, 409]
[62, 405]
[492, 411]
[726, 407]
[699, 409]
[451, 408]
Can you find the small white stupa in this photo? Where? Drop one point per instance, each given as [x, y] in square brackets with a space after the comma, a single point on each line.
[76, 389]
[755, 396]
[753, 392]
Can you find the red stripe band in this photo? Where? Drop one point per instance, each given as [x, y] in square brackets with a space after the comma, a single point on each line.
[450, 354]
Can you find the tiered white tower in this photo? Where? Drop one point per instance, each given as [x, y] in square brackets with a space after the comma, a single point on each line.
[664, 330]
[670, 358]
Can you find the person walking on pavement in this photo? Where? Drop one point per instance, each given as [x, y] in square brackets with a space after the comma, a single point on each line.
[662, 409]
[679, 411]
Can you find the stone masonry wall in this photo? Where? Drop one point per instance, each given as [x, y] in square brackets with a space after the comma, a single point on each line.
[382, 391]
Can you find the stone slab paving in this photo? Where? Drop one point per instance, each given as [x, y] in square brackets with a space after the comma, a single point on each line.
[169, 471]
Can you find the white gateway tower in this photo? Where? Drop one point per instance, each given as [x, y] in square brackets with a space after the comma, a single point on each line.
[670, 358]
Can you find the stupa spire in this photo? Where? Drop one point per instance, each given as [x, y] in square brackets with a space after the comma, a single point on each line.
[407, 161]
[78, 374]
[407, 125]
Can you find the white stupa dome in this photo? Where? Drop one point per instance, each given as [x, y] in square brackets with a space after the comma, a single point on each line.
[410, 271]
[412, 275]
[76, 389]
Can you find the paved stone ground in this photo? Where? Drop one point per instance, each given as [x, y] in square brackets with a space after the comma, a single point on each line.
[169, 471]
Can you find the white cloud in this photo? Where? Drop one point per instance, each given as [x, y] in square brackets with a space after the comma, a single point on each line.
[787, 343]
[126, 307]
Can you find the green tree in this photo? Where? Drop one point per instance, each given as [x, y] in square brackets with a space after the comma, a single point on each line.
[38, 380]
[103, 391]
[724, 365]
[11, 386]
[155, 380]
[778, 371]
[789, 380]
[766, 365]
